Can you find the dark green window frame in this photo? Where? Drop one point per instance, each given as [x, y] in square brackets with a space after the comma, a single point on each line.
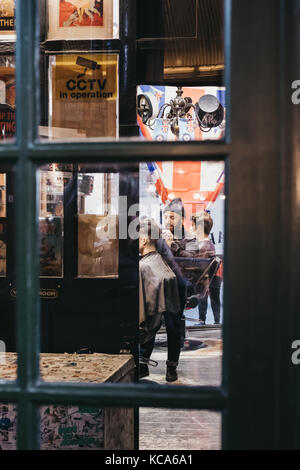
[26, 155]
[249, 396]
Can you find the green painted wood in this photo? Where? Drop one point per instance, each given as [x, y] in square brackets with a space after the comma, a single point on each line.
[210, 398]
[252, 272]
[127, 151]
[26, 154]
[26, 226]
[251, 328]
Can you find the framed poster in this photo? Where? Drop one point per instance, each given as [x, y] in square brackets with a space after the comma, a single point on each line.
[7, 20]
[83, 19]
[83, 96]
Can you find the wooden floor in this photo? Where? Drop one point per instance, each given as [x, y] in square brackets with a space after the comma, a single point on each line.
[167, 429]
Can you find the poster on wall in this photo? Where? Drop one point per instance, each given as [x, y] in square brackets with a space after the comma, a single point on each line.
[83, 96]
[83, 19]
[7, 121]
[7, 20]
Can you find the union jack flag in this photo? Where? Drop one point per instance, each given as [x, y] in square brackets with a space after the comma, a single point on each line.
[194, 182]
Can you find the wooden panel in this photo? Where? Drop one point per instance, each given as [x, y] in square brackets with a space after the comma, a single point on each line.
[75, 427]
[251, 267]
[87, 368]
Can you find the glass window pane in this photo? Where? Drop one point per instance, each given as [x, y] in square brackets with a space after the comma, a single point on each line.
[181, 249]
[177, 42]
[79, 70]
[168, 113]
[109, 286]
[88, 268]
[98, 212]
[166, 429]
[104, 76]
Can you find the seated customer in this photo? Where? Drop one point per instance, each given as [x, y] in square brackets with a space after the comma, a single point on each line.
[159, 297]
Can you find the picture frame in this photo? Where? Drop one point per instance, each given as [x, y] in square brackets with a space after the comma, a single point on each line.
[7, 20]
[82, 19]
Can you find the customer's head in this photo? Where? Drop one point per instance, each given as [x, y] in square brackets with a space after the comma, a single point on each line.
[174, 215]
[149, 233]
[202, 223]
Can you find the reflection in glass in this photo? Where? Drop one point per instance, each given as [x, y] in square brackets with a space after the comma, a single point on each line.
[88, 271]
[180, 44]
[181, 248]
[164, 82]
[98, 252]
[91, 231]
[53, 180]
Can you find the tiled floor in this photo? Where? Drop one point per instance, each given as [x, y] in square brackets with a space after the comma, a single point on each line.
[185, 429]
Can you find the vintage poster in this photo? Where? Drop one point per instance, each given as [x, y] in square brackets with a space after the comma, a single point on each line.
[83, 19]
[51, 260]
[71, 428]
[80, 13]
[7, 16]
[84, 95]
[7, 121]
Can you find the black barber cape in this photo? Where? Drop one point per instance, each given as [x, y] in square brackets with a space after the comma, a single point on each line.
[158, 293]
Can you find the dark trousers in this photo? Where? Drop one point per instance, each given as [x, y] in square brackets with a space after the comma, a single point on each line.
[172, 322]
[214, 293]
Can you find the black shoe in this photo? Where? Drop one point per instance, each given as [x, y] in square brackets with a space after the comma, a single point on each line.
[143, 371]
[171, 374]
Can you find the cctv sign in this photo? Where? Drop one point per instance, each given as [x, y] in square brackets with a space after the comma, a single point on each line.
[85, 78]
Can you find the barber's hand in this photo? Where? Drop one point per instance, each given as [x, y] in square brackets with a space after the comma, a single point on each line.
[168, 236]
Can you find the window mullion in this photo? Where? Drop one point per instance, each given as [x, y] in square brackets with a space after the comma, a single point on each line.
[26, 246]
